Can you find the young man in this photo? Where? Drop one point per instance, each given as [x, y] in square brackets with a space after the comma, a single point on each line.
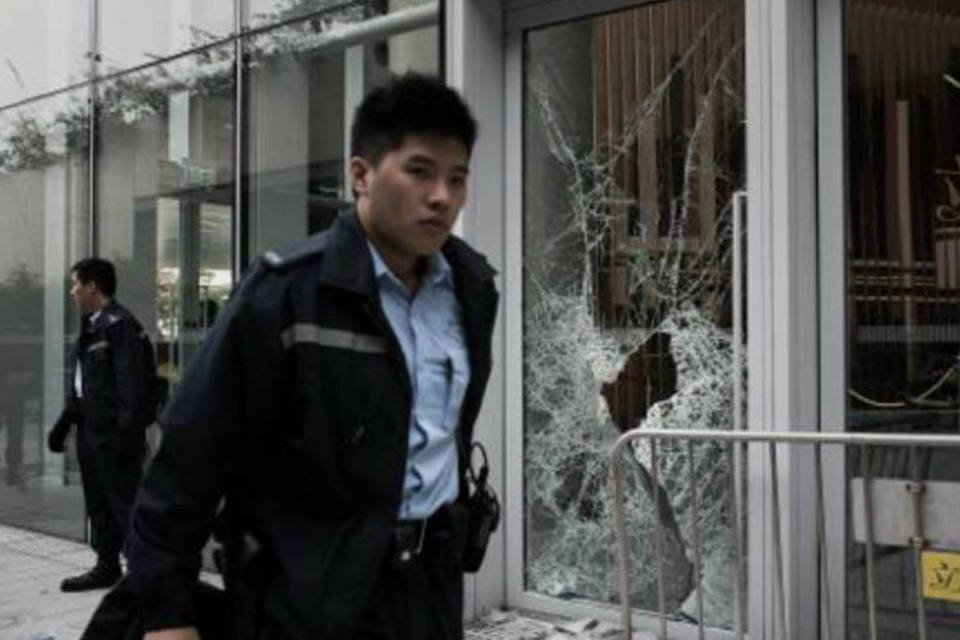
[112, 399]
[332, 406]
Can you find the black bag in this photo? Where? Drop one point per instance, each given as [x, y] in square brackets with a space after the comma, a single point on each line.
[117, 618]
[483, 508]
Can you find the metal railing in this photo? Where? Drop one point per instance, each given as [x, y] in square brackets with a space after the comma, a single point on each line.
[738, 449]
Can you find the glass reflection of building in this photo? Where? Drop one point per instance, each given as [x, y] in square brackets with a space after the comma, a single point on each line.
[191, 140]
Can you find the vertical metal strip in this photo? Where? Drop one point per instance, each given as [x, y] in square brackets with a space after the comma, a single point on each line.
[868, 552]
[918, 541]
[736, 303]
[93, 53]
[695, 525]
[239, 223]
[921, 610]
[739, 572]
[658, 539]
[623, 544]
[777, 542]
[827, 619]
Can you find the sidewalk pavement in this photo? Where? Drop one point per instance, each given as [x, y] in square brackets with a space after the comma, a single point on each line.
[32, 607]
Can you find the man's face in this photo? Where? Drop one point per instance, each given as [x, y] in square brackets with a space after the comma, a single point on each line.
[83, 294]
[410, 201]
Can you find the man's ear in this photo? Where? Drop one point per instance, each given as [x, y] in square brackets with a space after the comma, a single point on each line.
[359, 175]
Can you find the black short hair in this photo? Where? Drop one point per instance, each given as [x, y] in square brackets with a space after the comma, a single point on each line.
[99, 271]
[411, 104]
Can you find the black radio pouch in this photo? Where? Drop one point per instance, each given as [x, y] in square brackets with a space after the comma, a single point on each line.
[483, 510]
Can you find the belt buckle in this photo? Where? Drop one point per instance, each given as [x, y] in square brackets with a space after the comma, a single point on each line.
[406, 550]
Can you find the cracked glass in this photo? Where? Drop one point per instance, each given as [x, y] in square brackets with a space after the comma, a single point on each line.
[633, 150]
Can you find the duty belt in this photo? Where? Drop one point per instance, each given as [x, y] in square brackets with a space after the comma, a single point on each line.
[409, 536]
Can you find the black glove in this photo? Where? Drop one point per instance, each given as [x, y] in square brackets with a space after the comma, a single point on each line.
[58, 434]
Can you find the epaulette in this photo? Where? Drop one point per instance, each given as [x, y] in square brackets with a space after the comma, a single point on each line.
[295, 253]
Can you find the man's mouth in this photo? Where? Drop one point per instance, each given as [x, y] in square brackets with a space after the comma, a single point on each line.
[434, 224]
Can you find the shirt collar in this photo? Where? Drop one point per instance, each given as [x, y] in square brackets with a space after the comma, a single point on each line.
[438, 269]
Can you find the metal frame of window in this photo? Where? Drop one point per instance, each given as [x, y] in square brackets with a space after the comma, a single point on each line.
[832, 179]
[782, 299]
[240, 222]
[473, 63]
[94, 57]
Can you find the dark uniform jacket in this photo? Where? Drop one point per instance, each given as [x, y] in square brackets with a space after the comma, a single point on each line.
[120, 389]
[296, 409]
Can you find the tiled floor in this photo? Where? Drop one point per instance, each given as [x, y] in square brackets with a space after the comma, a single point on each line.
[32, 606]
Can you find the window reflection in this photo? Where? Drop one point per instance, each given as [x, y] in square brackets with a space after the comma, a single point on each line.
[164, 149]
[301, 99]
[904, 253]
[264, 12]
[903, 264]
[43, 46]
[43, 200]
[134, 32]
[165, 185]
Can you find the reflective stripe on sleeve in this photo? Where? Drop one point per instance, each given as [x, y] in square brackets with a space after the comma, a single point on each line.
[102, 344]
[336, 338]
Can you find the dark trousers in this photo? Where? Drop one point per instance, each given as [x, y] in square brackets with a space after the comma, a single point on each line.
[421, 602]
[110, 470]
[421, 599]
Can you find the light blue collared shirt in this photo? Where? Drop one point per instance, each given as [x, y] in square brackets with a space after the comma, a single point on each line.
[430, 332]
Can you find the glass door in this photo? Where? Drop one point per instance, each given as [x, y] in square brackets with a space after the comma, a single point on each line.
[633, 152]
[193, 266]
[901, 311]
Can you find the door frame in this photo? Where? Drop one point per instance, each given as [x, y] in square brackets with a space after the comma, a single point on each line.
[521, 16]
[833, 183]
[785, 356]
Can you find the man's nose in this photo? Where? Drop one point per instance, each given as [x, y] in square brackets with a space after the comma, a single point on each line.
[440, 193]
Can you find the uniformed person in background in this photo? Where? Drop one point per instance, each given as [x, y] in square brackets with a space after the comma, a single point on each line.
[112, 398]
[332, 405]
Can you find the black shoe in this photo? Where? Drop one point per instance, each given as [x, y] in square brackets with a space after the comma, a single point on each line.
[100, 577]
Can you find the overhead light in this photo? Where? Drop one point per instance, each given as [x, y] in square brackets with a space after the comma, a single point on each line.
[951, 80]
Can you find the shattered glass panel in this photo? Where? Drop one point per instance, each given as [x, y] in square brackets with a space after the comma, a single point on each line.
[633, 150]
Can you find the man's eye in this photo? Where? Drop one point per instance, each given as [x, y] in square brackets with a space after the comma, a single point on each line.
[458, 181]
[418, 171]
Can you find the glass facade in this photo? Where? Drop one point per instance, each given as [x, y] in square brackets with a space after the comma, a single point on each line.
[903, 268]
[302, 91]
[136, 32]
[165, 195]
[44, 186]
[633, 150]
[176, 158]
[43, 47]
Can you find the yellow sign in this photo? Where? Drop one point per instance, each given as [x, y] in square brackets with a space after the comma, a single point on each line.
[941, 575]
